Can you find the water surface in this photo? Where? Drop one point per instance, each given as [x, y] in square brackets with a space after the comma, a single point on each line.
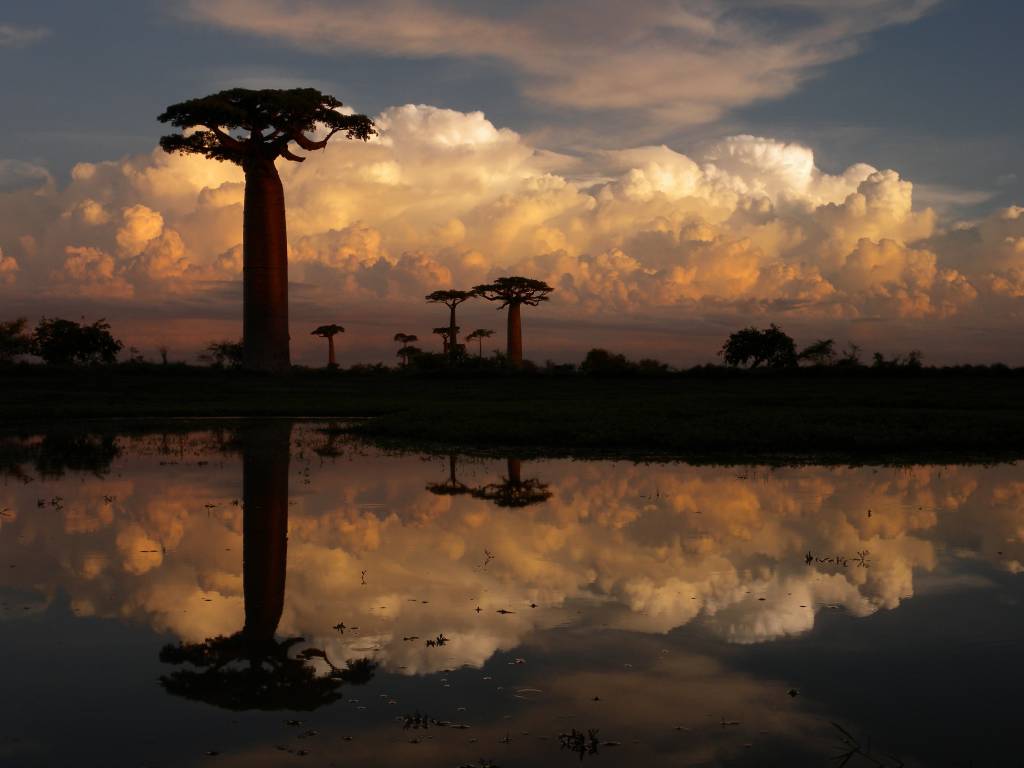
[270, 592]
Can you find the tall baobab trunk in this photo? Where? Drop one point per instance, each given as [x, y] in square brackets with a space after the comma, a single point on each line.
[453, 338]
[330, 353]
[514, 350]
[265, 456]
[264, 270]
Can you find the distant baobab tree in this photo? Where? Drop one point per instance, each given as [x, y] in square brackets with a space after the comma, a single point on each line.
[252, 128]
[513, 292]
[329, 332]
[405, 339]
[451, 299]
[446, 337]
[479, 335]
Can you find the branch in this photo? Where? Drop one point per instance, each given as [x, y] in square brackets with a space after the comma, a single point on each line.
[228, 141]
[307, 143]
[287, 154]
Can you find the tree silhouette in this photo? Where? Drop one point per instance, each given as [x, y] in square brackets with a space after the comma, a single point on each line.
[771, 347]
[513, 292]
[65, 342]
[451, 299]
[252, 669]
[479, 335]
[14, 340]
[820, 353]
[445, 332]
[328, 332]
[252, 128]
[221, 354]
[405, 339]
[408, 353]
[513, 491]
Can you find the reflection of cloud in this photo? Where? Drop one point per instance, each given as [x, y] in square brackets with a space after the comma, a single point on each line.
[19, 35]
[650, 547]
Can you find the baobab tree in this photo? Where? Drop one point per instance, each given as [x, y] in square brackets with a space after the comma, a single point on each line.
[252, 128]
[445, 332]
[451, 299]
[479, 335]
[405, 339]
[329, 332]
[513, 292]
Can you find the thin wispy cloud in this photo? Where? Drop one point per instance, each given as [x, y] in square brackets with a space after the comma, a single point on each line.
[17, 36]
[672, 64]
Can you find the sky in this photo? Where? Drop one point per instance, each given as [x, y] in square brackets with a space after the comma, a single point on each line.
[675, 169]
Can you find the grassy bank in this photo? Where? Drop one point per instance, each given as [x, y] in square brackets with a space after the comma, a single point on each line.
[860, 415]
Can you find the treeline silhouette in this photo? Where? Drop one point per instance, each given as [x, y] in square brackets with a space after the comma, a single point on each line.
[60, 342]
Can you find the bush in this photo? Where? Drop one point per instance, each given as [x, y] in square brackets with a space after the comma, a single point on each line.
[65, 342]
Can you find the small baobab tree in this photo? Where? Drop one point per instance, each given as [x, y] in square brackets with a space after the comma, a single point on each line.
[252, 128]
[445, 333]
[405, 339]
[329, 332]
[513, 292]
[479, 335]
[451, 299]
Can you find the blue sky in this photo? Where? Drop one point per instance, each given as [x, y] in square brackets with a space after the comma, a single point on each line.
[937, 98]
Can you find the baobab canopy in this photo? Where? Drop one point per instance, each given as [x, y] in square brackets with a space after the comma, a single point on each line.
[270, 118]
[253, 129]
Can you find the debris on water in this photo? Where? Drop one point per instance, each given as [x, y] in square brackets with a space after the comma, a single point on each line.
[293, 723]
[410, 638]
[439, 641]
[212, 753]
[503, 611]
[793, 692]
[478, 609]
[729, 722]
[580, 743]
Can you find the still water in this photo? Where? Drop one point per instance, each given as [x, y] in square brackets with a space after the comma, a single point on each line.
[273, 593]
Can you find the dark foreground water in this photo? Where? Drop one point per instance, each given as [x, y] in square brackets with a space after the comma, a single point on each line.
[269, 594]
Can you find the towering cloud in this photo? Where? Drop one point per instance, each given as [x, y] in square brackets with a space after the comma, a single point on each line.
[750, 228]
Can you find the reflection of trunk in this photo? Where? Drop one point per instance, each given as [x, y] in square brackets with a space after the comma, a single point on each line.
[515, 334]
[451, 469]
[264, 270]
[330, 353]
[515, 471]
[453, 338]
[265, 454]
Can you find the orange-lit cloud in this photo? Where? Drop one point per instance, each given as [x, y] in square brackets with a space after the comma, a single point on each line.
[752, 228]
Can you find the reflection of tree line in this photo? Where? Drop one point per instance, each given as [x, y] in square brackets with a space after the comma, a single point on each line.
[512, 491]
[56, 453]
[253, 669]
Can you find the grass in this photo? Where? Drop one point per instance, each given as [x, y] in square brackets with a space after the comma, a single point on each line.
[713, 414]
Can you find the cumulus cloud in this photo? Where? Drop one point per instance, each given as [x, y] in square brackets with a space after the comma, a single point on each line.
[664, 63]
[8, 268]
[750, 227]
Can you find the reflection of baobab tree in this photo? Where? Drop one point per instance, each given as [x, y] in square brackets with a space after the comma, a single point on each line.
[253, 669]
[513, 491]
[451, 486]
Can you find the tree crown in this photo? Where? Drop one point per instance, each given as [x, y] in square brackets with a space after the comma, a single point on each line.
[240, 124]
[450, 298]
[327, 330]
[480, 333]
[515, 290]
[771, 346]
